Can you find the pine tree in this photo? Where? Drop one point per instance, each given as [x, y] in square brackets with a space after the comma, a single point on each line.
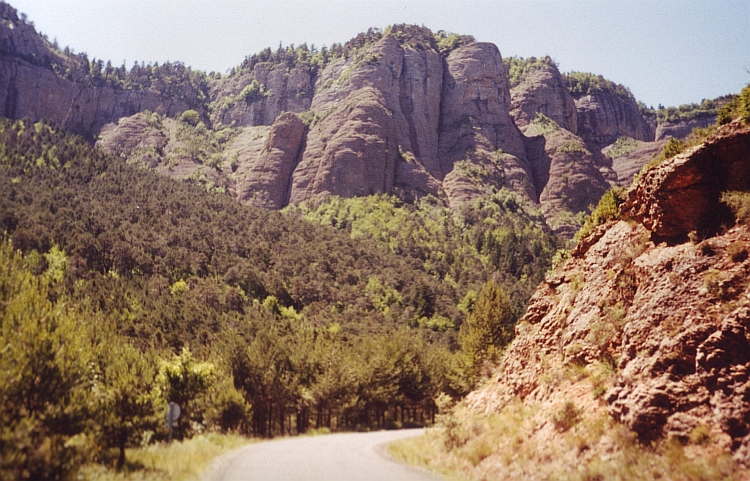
[489, 327]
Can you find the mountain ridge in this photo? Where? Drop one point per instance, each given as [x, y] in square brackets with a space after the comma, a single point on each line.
[402, 111]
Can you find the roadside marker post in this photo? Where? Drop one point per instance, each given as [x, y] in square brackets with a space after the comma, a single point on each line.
[173, 412]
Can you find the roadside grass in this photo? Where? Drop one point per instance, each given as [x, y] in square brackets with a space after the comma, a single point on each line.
[520, 442]
[180, 461]
[422, 451]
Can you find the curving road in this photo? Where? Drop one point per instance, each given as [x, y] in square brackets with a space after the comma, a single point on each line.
[334, 457]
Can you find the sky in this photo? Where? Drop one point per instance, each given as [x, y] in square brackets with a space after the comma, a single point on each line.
[668, 52]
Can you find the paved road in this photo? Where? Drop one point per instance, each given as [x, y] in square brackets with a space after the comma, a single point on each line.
[333, 457]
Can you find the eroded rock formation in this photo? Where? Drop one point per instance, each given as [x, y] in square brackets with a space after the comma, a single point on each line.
[683, 195]
[653, 334]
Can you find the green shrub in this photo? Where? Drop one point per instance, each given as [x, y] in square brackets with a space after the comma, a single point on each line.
[583, 83]
[739, 106]
[190, 117]
[673, 147]
[544, 124]
[739, 203]
[607, 209]
[572, 147]
[566, 417]
[623, 146]
[519, 68]
[254, 91]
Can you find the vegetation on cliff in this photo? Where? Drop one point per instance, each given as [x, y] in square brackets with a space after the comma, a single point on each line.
[584, 83]
[519, 67]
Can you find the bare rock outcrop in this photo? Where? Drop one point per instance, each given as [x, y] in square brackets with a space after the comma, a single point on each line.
[31, 89]
[476, 128]
[279, 89]
[543, 91]
[683, 194]
[628, 163]
[572, 181]
[265, 180]
[170, 147]
[604, 117]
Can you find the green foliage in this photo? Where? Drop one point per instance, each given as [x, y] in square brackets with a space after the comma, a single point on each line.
[122, 387]
[382, 295]
[309, 58]
[544, 124]
[448, 42]
[254, 91]
[687, 112]
[583, 83]
[280, 307]
[623, 146]
[738, 106]
[179, 287]
[489, 327]
[739, 203]
[463, 250]
[190, 117]
[606, 210]
[44, 404]
[185, 381]
[673, 147]
[572, 147]
[519, 68]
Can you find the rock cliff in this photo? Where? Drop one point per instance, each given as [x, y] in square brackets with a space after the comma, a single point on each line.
[543, 91]
[565, 170]
[635, 341]
[680, 130]
[604, 117]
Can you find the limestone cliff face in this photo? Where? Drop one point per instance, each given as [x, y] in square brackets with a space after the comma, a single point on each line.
[605, 117]
[266, 182]
[476, 126]
[650, 335]
[393, 115]
[573, 181]
[32, 92]
[378, 116]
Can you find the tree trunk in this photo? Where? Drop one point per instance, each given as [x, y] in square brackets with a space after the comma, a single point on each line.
[122, 438]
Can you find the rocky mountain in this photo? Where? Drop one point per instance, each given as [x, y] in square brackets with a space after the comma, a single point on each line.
[404, 111]
[632, 358]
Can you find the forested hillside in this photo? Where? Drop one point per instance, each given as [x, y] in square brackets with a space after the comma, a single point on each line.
[281, 324]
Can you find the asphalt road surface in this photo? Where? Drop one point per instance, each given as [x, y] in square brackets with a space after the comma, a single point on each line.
[333, 457]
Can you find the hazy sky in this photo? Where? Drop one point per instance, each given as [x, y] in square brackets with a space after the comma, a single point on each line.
[669, 52]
